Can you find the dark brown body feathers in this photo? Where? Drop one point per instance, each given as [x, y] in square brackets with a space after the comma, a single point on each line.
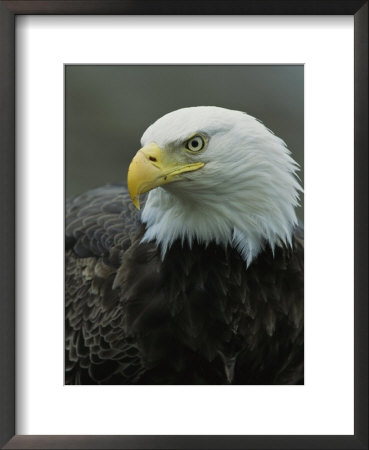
[197, 317]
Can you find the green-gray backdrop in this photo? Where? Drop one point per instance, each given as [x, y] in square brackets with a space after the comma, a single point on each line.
[107, 109]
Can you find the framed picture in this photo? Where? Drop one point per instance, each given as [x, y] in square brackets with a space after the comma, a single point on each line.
[86, 87]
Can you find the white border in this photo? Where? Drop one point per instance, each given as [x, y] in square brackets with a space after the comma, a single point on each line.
[325, 404]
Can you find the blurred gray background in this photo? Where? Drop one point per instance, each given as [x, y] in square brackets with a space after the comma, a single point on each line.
[107, 109]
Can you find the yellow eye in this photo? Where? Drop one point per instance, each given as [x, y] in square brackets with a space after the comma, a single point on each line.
[195, 144]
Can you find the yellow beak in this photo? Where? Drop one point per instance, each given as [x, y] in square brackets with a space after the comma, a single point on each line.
[150, 168]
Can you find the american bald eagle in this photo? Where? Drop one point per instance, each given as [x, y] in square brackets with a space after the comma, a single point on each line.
[204, 285]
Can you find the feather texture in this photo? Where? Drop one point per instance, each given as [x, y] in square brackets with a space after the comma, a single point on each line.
[198, 316]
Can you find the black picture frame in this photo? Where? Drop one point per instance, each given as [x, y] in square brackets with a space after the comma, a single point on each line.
[8, 11]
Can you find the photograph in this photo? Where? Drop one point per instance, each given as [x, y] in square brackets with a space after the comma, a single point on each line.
[184, 224]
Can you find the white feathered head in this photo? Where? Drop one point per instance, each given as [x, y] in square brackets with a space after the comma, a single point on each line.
[215, 175]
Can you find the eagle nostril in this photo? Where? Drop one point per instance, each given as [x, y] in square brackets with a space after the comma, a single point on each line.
[151, 158]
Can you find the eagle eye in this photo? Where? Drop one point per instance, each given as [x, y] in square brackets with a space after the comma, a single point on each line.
[195, 144]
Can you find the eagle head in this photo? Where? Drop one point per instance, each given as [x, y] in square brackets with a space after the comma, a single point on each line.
[218, 175]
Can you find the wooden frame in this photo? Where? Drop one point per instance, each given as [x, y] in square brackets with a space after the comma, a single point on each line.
[8, 11]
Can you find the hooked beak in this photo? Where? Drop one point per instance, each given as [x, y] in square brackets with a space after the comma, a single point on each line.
[151, 168]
